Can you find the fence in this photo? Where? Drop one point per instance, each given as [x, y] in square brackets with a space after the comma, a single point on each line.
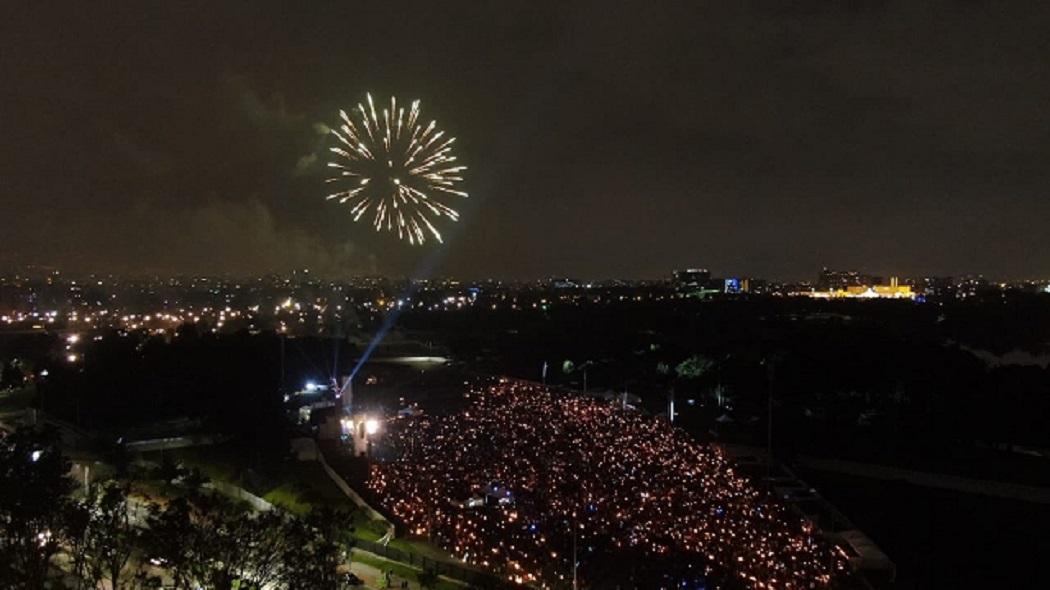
[350, 492]
[473, 577]
[238, 493]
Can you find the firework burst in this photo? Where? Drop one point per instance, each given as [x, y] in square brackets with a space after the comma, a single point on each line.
[398, 171]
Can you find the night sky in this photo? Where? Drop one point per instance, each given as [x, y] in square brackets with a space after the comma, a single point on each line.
[605, 139]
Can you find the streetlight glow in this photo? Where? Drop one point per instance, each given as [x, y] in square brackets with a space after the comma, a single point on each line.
[371, 426]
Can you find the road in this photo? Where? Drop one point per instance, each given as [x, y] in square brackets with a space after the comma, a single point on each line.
[998, 489]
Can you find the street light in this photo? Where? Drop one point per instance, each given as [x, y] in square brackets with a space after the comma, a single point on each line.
[371, 426]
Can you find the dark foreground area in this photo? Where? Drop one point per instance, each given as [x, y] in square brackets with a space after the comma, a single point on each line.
[945, 539]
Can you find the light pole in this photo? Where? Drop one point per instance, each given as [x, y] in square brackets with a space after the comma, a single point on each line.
[367, 430]
[280, 385]
[575, 561]
[770, 369]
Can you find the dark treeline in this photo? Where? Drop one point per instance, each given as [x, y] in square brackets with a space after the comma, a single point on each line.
[159, 527]
[123, 383]
[226, 383]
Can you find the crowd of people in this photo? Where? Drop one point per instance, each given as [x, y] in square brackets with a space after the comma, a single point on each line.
[526, 477]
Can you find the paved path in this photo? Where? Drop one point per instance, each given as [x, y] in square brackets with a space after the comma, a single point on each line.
[373, 577]
[370, 575]
[999, 489]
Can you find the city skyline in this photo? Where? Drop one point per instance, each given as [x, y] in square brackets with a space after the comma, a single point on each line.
[814, 277]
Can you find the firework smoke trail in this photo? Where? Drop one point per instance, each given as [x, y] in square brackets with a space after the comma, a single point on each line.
[389, 165]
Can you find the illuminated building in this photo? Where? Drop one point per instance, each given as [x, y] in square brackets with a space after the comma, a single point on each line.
[841, 280]
[691, 278]
[894, 290]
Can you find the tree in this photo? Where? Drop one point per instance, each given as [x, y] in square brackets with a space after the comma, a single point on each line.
[115, 453]
[694, 367]
[208, 540]
[254, 545]
[268, 545]
[75, 534]
[319, 546]
[172, 538]
[13, 374]
[111, 537]
[34, 485]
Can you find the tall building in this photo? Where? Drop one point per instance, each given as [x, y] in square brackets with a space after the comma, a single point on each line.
[691, 279]
[832, 280]
[933, 286]
[869, 288]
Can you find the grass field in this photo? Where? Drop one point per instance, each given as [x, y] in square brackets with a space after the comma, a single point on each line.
[17, 399]
[296, 486]
[399, 569]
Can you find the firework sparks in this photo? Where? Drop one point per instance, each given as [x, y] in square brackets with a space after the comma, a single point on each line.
[395, 170]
